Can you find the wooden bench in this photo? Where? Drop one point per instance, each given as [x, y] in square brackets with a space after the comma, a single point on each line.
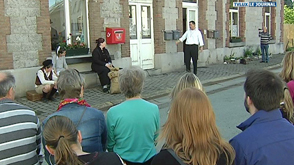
[34, 96]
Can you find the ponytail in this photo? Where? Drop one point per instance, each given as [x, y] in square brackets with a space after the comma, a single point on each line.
[64, 154]
[287, 106]
[60, 134]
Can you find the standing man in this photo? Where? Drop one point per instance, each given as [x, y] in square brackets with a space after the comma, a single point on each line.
[267, 137]
[265, 37]
[194, 39]
[20, 133]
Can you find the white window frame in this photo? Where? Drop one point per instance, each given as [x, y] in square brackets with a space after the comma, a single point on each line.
[231, 11]
[268, 14]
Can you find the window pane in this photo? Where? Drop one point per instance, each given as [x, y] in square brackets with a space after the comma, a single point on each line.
[267, 9]
[78, 21]
[133, 22]
[267, 21]
[57, 22]
[146, 21]
[192, 15]
[235, 28]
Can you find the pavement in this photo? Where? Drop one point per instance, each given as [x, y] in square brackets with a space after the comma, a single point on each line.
[158, 85]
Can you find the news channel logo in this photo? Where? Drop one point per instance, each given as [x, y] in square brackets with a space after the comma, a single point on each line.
[255, 4]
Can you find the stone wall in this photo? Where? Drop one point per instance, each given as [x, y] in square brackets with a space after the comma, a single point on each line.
[170, 15]
[24, 42]
[6, 59]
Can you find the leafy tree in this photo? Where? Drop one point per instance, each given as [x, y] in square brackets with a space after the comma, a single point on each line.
[288, 15]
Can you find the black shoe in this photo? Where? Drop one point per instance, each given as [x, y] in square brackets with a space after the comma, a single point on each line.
[52, 99]
[44, 100]
[262, 62]
[266, 62]
[188, 70]
[105, 90]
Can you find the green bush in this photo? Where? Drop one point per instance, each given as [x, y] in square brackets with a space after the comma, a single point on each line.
[248, 52]
[290, 49]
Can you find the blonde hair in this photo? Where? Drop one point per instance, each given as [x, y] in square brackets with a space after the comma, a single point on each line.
[287, 73]
[191, 130]
[287, 105]
[186, 81]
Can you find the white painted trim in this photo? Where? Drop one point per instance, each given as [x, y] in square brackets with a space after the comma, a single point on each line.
[88, 26]
[67, 21]
[191, 6]
[231, 11]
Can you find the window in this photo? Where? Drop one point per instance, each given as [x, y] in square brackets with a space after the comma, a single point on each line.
[267, 19]
[68, 20]
[133, 21]
[234, 20]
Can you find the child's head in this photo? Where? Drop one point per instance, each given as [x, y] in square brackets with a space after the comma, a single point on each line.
[61, 51]
[186, 81]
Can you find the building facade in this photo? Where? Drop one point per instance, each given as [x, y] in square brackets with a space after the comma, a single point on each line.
[31, 29]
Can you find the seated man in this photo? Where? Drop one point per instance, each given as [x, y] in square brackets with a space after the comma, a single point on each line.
[88, 120]
[46, 80]
[20, 132]
[267, 137]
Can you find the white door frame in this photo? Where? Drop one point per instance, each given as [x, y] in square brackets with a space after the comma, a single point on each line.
[191, 6]
[136, 45]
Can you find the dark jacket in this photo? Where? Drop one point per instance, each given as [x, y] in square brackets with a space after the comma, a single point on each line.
[166, 158]
[267, 139]
[100, 58]
[92, 126]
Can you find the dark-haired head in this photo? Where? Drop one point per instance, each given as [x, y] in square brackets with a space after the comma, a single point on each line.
[192, 22]
[60, 50]
[99, 41]
[264, 88]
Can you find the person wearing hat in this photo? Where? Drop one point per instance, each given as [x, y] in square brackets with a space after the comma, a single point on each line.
[46, 80]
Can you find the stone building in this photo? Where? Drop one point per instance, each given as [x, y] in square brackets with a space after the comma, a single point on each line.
[31, 28]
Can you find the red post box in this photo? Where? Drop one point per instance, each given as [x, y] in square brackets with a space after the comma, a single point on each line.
[115, 35]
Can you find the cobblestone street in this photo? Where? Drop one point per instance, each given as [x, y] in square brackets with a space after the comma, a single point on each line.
[157, 85]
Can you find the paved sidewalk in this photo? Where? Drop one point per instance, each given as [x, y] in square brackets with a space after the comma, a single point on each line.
[157, 85]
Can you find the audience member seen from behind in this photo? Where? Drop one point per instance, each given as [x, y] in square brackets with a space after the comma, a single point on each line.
[20, 132]
[89, 121]
[191, 133]
[186, 81]
[63, 141]
[286, 105]
[46, 81]
[101, 63]
[133, 125]
[267, 137]
[59, 61]
[287, 73]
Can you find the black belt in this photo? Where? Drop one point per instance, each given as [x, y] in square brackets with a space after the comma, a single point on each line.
[191, 45]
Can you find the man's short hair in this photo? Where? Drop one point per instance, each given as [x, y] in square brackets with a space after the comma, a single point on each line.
[264, 88]
[193, 22]
[6, 83]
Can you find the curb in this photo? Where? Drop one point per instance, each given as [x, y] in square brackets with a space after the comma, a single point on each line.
[166, 92]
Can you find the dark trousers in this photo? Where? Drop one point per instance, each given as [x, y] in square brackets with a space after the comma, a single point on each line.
[102, 72]
[191, 51]
[145, 163]
[264, 52]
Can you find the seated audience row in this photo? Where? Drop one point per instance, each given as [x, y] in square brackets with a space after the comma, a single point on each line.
[77, 133]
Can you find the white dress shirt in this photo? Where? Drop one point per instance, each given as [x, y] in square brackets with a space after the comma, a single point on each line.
[43, 80]
[193, 37]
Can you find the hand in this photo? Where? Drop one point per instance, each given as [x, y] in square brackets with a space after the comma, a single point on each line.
[108, 65]
[201, 49]
[177, 42]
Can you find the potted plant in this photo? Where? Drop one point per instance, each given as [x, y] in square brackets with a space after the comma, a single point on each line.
[76, 48]
[227, 59]
[235, 39]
